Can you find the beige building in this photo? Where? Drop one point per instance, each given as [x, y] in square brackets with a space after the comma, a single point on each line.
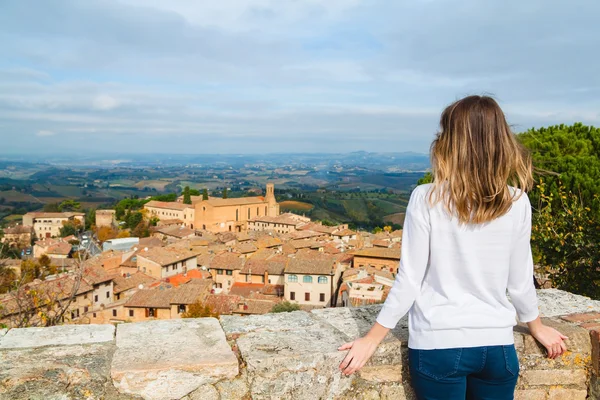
[162, 262]
[105, 218]
[265, 271]
[47, 224]
[225, 270]
[382, 259]
[312, 280]
[232, 215]
[284, 223]
[164, 302]
[171, 210]
[18, 236]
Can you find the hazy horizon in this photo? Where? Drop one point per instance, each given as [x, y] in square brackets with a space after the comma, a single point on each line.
[268, 76]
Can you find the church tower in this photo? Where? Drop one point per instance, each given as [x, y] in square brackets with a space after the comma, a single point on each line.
[273, 206]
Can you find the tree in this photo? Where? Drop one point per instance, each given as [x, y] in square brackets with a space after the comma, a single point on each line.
[90, 218]
[194, 192]
[123, 234]
[199, 310]
[285, 306]
[132, 220]
[70, 228]
[204, 194]
[225, 193]
[69, 205]
[565, 235]
[427, 178]
[141, 230]
[52, 207]
[187, 199]
[106, 232]
[377, 230]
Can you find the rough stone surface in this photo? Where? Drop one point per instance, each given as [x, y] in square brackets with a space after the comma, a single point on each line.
[170, 359]
[381, 373]
[236, 389]
[530, 394]
[355, 322]
[276, 322]
[57, 336]
[567, 394]
[300, 363]
[540, 377]
[3, 332]
[63, 372]
[204, 392]
[555, 303]
[581, 317]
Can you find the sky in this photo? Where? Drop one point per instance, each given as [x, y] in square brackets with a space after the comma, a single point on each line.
[263, 76]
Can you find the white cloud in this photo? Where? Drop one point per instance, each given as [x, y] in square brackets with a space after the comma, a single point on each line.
[43, 133]
[105, 102]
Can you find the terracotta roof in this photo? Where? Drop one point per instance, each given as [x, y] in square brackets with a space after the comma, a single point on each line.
[243, 236]
[55, 214]
[204, 260]
[61, 248]
[245, 289]
[168, 255]
[222, 304]
[304, 234]
[273, 266]
[149, 242]
[255, 306]
[163, 296]
[381, 243]
[314, 266]
[169, 222]
[130, 281]
[396, 234]
[18, 230]
[280, 219]
[393, 254]
[168, 205]
[344, 232]
[238, 201]
[268, 242]
[176, 231]
[94, 274]
[229, 261]
[304, 244]
[184, 278]
[245, 248]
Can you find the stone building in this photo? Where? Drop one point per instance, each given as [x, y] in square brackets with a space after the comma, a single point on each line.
[48, 224]
[162, 262]
[171, 210]
[17, 236]
[284, 223]
[232, 215]
[312, 280]
[105, 218]
[378, 258]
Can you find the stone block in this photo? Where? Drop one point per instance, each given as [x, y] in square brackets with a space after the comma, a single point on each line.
[171, 358]
[204, 392]
[555, 303]
[381, 373]
[567, 394]
[275, 322]
[519, 341]
[356, 322]
[595, 340]
[62, 335]
[578, 341]
[3, 332]
[299, 364]
[530, 394]
[581, 317]
[60, 372]
[591, 325]
[236, 389]
[540, 377]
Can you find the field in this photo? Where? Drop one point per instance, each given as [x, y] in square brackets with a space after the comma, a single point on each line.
[15, 196]
[158, 184]
[298, 206]
[397, 218]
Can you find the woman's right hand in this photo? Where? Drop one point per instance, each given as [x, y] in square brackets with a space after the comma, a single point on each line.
[360, 351]
[549, 337]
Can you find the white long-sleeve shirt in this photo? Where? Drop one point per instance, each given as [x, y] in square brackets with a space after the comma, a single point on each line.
[453, 279]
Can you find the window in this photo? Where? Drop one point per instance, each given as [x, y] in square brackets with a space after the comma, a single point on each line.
[119, 296]
[181, 309]
[248, 213]
[131, 313]
[219, 272]
[292, 295]
[229, 272]
[237, 215]
[94, 315]
[322, 279]
[151, 312]
[86, 309]
[114, 313]
[257, 211]
[85, 296]
[307, 296]
[292, 278]
[96, 298]
[307, 279]
[108, 295]
[262, 279]
[322, 297]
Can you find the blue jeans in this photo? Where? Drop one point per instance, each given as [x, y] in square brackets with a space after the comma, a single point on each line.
[473, 373]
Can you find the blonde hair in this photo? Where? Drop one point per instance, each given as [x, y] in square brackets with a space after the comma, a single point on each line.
[474, 158]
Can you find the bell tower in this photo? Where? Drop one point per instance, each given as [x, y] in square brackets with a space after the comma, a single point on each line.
[273, 206]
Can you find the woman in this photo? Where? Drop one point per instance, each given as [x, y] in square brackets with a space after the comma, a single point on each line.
[466, 242]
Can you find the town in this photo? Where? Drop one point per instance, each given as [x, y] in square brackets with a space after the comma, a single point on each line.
[203, 256]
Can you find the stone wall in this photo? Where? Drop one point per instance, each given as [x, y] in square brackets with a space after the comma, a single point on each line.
[290, 355]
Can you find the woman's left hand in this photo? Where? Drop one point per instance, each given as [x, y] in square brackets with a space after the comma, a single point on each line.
[360, 352]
